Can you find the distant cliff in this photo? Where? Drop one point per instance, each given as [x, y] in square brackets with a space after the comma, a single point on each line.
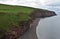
[40, 13]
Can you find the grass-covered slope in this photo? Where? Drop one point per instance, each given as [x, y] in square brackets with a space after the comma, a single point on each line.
[14, 9]
[12, 15]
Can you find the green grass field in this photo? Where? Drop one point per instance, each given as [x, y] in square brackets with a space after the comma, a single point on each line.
[14, 9]
[12, 15]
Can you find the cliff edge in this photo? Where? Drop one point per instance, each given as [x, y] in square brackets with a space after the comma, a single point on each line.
[20, 21]
[36, 16]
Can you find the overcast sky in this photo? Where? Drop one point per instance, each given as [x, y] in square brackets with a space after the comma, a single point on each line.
[29, 2]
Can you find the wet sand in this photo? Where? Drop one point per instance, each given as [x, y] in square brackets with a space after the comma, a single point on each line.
[31, 33]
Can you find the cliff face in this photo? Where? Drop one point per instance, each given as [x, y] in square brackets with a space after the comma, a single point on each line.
[16, 20]
[25, 25]
[42, 13]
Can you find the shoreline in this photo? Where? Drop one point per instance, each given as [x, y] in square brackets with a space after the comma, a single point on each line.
[31, 33]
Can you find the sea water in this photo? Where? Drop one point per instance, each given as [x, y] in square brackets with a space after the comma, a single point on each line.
[49, 28]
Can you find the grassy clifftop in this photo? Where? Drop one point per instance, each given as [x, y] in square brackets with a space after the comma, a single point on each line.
[12, 16]
[14, 9]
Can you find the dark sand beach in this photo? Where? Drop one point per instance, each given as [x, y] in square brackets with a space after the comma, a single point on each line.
[31, 33]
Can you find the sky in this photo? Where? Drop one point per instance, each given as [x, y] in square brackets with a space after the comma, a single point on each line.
[29, 2]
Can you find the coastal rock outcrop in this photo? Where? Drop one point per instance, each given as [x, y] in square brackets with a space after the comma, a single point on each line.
[42, 13]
